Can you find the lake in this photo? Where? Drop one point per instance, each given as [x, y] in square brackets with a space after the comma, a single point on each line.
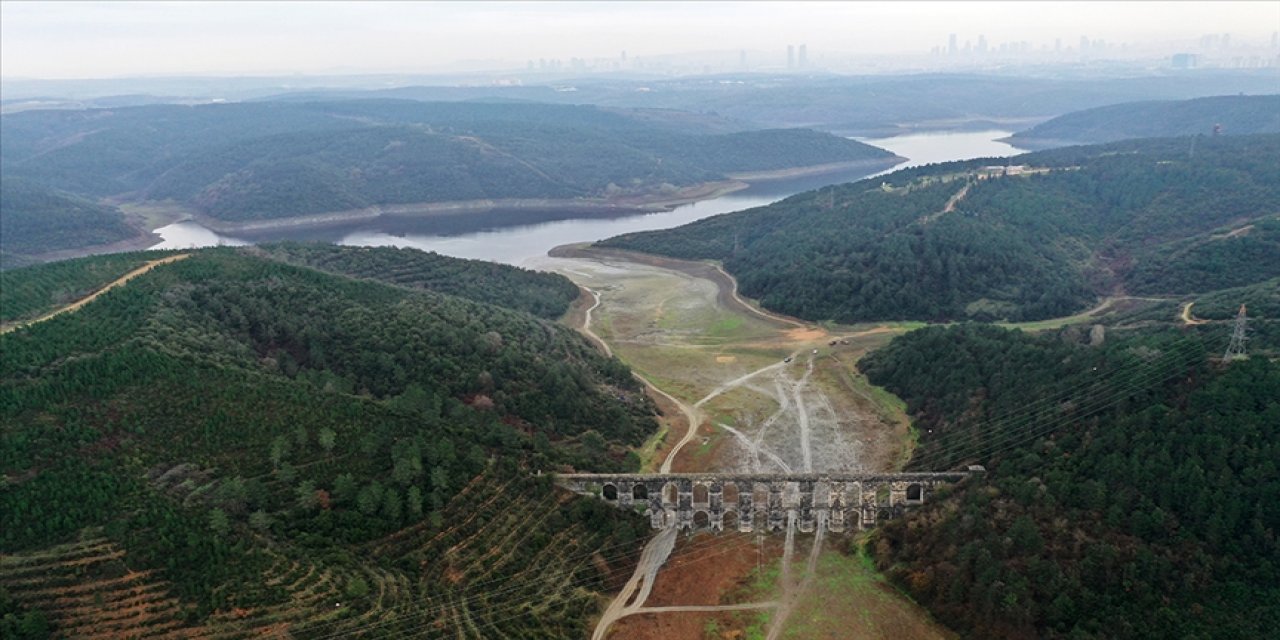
[517, 236]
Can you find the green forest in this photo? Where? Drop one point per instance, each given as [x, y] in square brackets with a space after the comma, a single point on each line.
[1132, 487]
[546, 295]
[35, 290]
[1228, 115]
[341, 441]
[37, 219]
[1163, 217]
[262, 160]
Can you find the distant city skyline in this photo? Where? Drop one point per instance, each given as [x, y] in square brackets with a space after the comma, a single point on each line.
[118, 39]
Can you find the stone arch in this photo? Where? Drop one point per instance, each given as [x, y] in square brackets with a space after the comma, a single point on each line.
[639, 491]
[701, 494]
[822, 494]
[701, 520]
[670, 494]
[852, 520]
[610, 491]
[730, 520]
[853, 495]
[760, 505]
[915, 493]
[791, 495]
[883, 495]
[730, 495]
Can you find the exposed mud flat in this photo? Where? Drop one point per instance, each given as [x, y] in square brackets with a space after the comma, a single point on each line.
[764, 393]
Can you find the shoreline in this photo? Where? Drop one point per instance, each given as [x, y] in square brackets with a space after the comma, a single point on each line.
[148, 216]
[817, 169]
[636, 204]
[146, 239]
[1027, 145]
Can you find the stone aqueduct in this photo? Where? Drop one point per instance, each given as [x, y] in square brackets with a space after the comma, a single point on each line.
[846, 502]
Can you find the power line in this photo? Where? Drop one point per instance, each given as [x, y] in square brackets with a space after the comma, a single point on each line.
[977, 444]
[980, 438]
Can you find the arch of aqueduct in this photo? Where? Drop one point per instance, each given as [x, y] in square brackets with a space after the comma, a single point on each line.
[747, 501]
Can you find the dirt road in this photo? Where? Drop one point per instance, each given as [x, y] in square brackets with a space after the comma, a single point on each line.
[94, 296]
[1187, 319]
[641, 583]
[692, 419]
[773, 387]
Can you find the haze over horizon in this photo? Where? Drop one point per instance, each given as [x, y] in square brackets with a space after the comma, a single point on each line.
[85, 40]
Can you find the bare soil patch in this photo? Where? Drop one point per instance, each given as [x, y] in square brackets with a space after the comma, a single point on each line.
[806, 334]
[705, 569]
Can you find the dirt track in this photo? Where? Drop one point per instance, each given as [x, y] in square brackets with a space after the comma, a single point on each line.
[758, 392]
[93, 296]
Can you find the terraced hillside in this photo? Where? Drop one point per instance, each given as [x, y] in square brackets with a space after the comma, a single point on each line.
[230, 446]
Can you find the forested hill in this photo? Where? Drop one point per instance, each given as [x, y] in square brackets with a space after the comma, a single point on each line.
[954, 241]
[252, 161]
[37, 219]
[1150, 512]
[546, 295]
[239, 445]
[1230, 115]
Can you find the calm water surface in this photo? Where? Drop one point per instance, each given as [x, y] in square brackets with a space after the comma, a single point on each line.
[515, 237]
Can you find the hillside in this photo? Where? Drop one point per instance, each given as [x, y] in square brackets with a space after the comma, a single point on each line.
[36, 219]
[350, 455]
[871, 105]
[1150, 512]
[546, 295]
[254, 161]
[1232, 115]
[958, 241]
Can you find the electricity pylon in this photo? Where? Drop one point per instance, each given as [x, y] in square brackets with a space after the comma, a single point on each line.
[1235, 349]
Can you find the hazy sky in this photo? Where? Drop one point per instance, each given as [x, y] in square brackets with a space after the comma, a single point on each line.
[88, 40]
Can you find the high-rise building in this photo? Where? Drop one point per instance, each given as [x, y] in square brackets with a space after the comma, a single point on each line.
[982, 44]
[1184, 61]
[803, 60]
[951, 45]
[791, 56]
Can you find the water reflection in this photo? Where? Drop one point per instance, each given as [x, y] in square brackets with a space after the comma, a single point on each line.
[517, 236]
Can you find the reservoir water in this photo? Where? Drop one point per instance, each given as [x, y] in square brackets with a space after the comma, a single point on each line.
[515, 237]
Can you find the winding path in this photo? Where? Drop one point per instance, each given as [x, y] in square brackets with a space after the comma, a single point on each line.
[94, 296]
[691, 416]
[1188, 319]
[630, 600]
[641, 583]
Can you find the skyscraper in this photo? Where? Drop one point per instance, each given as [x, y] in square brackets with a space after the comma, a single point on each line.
[951, 45]
[982, 44]
[791, 56]
[803, 61]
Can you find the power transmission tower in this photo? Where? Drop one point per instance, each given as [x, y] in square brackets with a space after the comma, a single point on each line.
[1235, 349]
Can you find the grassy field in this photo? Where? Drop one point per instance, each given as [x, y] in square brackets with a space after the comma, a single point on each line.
[850, 599]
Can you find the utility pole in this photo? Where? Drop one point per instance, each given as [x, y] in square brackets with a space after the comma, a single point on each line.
[1236, 349]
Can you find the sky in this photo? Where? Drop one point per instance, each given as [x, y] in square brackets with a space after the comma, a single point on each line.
[119, 39]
